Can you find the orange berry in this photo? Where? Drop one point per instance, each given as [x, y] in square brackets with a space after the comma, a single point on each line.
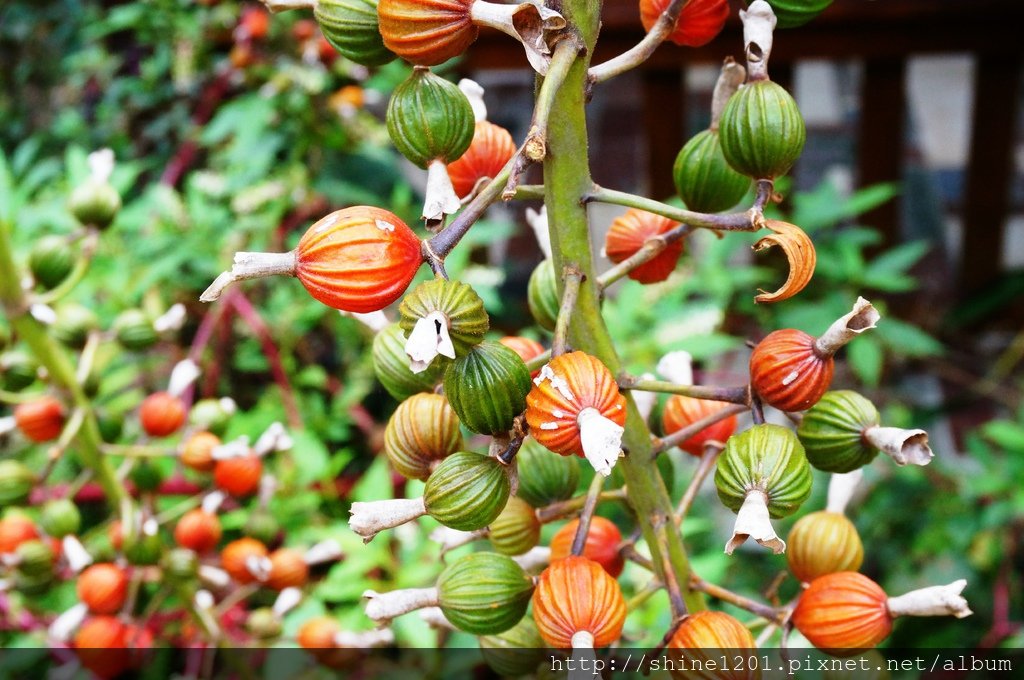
[198, 530]
[103, 588]
[15, 530]
[161, 414]
[40, 420]
[602, 544]
[288, 569]
[235, 556]
[239, 476]
[197, 453]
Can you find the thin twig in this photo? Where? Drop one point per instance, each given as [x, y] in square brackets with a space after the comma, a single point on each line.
[651, 248]
[580, 539]
[754, 607]
[707, 464]
[695, 428]
[573, 277]
[640, 52]
[560, 509]
[530, 192]
[662, 525]
[732, 395]
[644, 594]
[751, 220]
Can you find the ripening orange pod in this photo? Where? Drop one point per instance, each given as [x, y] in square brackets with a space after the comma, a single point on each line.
[237, 555]
[101, 646]
[843, 611]
[602, 544]
[288, 569]
[627, 235]
[491, 148]
[702, 635]
[40, 420]
[578, 604]
[197, 451]
[198, 530]
[15, 530]
[823, 543]
[239, 476]
[103, 588]
[682, 411]
[426, 32]
[698, 23]
[575, 409]
[318, 633]
[162, 414]
[527, 349]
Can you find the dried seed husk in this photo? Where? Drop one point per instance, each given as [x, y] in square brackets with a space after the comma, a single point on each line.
[800, 254]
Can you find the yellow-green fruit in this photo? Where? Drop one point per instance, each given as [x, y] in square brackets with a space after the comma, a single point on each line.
[60, 517]
[467, 491]
[484, 593]
[422, 431]
[16, 482]
[516, 530]
[351, 26]
[823, 543]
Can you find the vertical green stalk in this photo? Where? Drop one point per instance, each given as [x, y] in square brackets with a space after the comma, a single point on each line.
[60, 369]
[566, 181]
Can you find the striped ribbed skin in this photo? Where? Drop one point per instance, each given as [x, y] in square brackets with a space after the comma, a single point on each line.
[351, 27]
[769, 458]
[487, 388]
[545, 477]
[490, 149]
[429, 118]
[359, 259]
[391, 365]
[843, 612]
[704, 179]
[832, 431]
[40, 420]
[422, 431]
[761, 130]
[515, 652]
[467, 491]
[602, 544]
[426, 32]
[103, 588]
[682, 411]
[467, 319]
[552, 412]
[484, 593]
[516, 530]
[787, 372]
[573, 595]
[698, 23]
[823, 543]
[542, 295]
[627, 235]
[791, 13]
[708, 630]
[527, 348]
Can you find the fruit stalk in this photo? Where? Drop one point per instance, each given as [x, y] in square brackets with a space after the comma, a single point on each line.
[640, 52]
[567, 175]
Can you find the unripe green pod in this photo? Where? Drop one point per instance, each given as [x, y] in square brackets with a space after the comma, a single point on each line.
[35, 558]
[143, 549]
[761, 130]
[517, 651]
[146, 475]
[391, 364]
[51, 260]
[467, 491]
[16, 482]
[263, 624]
[430, 119]
[60, 517]
[704, 179]
[487, 388]
[484, 593]
[134, 330]
[17, 370]
[457, 302]
[351, 27]
[792, 13]
[768, 458]
[422, 431]
[210, 415]
[33, 585]
[542, 295]
[262, 525]
[180, 565]
[94, 203]
[5, 338]
[111, 425]
[545, 477]
[73, 325]
[832, 431]
[516, 530]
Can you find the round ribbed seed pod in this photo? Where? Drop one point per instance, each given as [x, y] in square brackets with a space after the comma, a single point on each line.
[134, 330]
[528, 349]
[467, 491]
[161, 414]
[698, 23]
[288, 569]
[484, 593]
[602, 544]
[426, 32]
[60, 517]
[16, 482]
[545, 477]
[768, 458]
[263, 624]
[458, 302]
[15, 530]
[627, 235]
[146, 475]
[842, 613]
[704, 179]
[576, 595]
[211, 414]
[351, 27]
[491, 148]
[792, 13]
[487, 388]
[51, 260]
[832, 431]
[788, 372]
[40, 420]
[422, 431]
[73, 325]
[143, 549]
[761, 130]
[94, 203]
[197, 451]
[35, 558]
[823, 543]
[708, 630]
[391, 365]
[103, 588]
[429, 119]
[517, 651]
[180, 565]
[542, 295]
[516, 530]
[17, 371]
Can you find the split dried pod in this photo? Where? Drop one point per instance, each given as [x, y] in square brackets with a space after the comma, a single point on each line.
[487, 387]
[698, 23]
[40, 420]
[842, 433]
[542, 295]
[358, 259]
[627, 235]
[162, 414]
[60, 517]
[516, 530]
[198, 530]
[240, 476]
[762, 474]
[791, 370]
[545, 477]
[103, 588]
[422, 431]
[16, 482]
[702, 636]
[578, 604]
[575, 409]
[237, 556]
[793, 13]
[441, 318]
[601, 545]
[484, 593]
[800, 254]
[823, 543]
[490, 150]
[391, 365]
[51, 260]
[351, 27]
[514, 652]
[681, 411]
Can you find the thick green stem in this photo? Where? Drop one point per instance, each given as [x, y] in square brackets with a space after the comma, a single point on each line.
[61, 372]
[566, 182]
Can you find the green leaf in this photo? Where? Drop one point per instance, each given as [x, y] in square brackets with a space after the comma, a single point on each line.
[907, 340]
[1006, 434]
[866, 359]
[900, 258]
[7, 206]
[310, 455]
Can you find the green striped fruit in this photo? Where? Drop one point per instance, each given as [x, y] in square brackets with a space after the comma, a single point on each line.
[467, 491]
[458, 302]
[429, 119]
[35, 558]
[212, 415]
[180, 565]
[94, 203]
[484, 593]
[73, 325]
[704, 179]
[515, 652]
[51, 261]
[545, 477]
[487, 388]
[516, 530]
[16, 482]
[792, 13]
[143, 549]
[761, 130]
[542, 295]
[111, 425]
[768, 458]
[832, 430]
[17, 370]
[422, 431]
[134, 330]
[60, 517]
[146, 475]
[351, 27]
[391, 364]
